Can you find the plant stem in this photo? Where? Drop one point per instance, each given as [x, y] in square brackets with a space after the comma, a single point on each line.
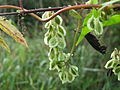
[74, 41]
[75, 37]
[19, 8]
[31, 11]
[85, 6]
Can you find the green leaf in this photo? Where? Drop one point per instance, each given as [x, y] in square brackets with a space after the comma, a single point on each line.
[96, 13]
[4, 45]
[112, 20]
[84, 32]
[75, 14]
[87, 18]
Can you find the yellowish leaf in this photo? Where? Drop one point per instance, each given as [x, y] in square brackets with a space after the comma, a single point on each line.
[3, 44]
[11, 30]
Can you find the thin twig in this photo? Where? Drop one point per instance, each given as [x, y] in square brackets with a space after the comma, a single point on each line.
[85, 6]
[19, 8]
[32, 11]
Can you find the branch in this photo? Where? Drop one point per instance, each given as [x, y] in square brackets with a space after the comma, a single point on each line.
[31, 11]
[19, 8]
[61, 10]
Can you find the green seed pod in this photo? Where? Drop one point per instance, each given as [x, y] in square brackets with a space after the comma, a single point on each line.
[53, 42]
[71, 77]
[47, 14]
[46, 39]
[111, 64]
[98, 26]
[90, 23]
[115, 54]
[116, 70]
[61, 43]
[52, 65]
[60, 65]
[52, 54]
[61, 56]
[47, 25]
[73, 70]
[58, 20]
[61, 30]
[63, 76]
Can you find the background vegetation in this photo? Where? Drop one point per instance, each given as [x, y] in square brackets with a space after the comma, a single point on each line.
[28, 69]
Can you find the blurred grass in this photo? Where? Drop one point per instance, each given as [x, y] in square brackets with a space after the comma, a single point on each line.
[28, 69]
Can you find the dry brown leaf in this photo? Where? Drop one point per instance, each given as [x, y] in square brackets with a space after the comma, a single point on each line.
[3, 44]
[11, 30]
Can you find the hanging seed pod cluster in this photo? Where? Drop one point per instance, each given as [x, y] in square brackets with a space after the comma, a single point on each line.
[55, 39]
[114, 63]
[94, 22]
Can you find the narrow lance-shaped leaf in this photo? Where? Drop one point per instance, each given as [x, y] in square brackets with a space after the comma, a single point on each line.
[3, 44]
[11, 30]
[86, 19]
[84, 32]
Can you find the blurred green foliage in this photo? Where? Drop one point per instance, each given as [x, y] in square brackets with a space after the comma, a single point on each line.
[28, 69]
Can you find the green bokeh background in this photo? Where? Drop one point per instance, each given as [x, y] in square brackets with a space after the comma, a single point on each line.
[28, 69]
